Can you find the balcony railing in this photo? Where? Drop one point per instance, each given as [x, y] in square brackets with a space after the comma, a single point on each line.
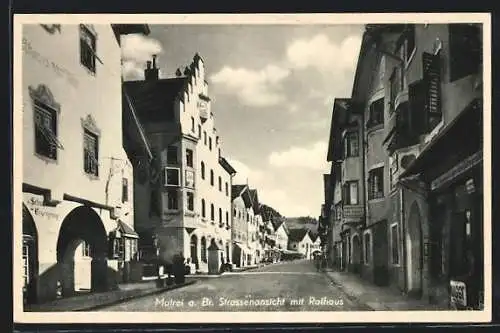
[352, 212]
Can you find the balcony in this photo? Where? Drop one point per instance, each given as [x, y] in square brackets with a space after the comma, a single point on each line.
[352, 213]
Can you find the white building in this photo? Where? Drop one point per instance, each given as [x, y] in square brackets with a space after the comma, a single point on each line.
[281, 234]
[193, 198]
[77, 178]
[300, 241]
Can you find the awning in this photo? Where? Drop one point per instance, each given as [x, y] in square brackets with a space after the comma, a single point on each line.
[125, 230]
[462, 135]
[242, 247]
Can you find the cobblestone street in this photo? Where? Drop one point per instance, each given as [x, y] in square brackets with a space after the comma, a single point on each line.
[291, 286]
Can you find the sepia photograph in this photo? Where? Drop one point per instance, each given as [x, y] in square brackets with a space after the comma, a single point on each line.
[252, 168]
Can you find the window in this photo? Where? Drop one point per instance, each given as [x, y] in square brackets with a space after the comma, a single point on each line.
[124, 189]
[368, 247]
[46, 142]
[351, 144]
[227, 189]
[202, 170]
[199, 131]
[465, 50]
[351, 193]
[189, 158]
[220, 184]
[205, 138]
[376, 113]
[376, 183]
[220, 216]
[212, 212]
[172, 155]
[172, 177]
[90, 153]
[26, 260]
[212, 177]
[432, 82]
[192, 125]
[189, 179]
[395, 244]
[87, 48]
[172, 199]
[203, 208]
[210, 143]
[227, 218]
[85, 249]
[190, 201]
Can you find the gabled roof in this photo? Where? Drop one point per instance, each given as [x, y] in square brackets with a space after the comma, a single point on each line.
[278, 223]
[297, 235]
[237, 190]
[126, 229]
[255, 200]
[225, 164]
[339, 112]
[154, 99]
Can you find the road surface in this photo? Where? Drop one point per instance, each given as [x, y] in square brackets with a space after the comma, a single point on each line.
[288, 286]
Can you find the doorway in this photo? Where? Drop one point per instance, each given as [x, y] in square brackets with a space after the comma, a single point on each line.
[414, 252]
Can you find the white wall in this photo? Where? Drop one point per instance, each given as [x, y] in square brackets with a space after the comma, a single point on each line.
[54, 61]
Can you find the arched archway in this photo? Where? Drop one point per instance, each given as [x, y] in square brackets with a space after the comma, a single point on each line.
[30, 257]
[356, 253]
[194, 250]
[414, 251]
[81, 252]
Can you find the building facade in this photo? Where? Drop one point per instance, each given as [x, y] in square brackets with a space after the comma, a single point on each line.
[240, 203]
[417, 89]
[439, 97]
[77, 177]
[299, 240]
[192, 199]
[281, 234]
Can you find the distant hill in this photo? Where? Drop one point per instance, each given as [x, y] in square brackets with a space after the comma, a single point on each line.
[301, 222]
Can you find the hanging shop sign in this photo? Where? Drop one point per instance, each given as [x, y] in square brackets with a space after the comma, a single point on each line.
[457, 170]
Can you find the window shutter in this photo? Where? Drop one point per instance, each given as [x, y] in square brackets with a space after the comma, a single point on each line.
[418, 114]
[432, 77]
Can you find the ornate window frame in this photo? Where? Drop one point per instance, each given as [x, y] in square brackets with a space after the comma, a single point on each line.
[43, 94]
[89, 124]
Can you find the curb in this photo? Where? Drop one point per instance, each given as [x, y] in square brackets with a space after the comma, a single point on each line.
[349, 296]
[130, 297]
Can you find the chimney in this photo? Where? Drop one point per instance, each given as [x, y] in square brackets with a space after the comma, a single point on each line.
[151, 74]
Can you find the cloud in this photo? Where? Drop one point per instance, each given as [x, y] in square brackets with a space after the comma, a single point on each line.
[324, 55]
[136, 50]
[310, 157]
[282, 202]
[256, 88]
[244, 173]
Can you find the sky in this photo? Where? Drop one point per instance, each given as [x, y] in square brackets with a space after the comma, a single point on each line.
[272, 91]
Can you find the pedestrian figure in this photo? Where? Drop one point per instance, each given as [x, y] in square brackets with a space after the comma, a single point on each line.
[317, 262]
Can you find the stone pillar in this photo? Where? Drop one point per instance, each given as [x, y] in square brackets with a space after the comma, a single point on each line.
[214, 260]
[67, 277]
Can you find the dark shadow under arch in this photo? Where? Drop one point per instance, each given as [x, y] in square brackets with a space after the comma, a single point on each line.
[30, 245]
